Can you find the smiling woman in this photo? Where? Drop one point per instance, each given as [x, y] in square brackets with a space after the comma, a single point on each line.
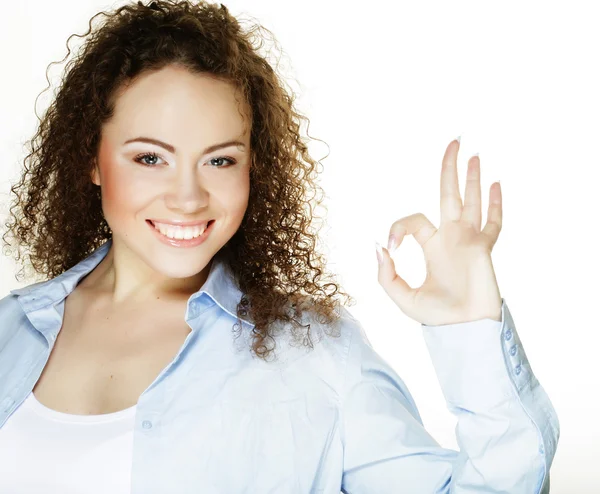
[199, 130]
[168, 203]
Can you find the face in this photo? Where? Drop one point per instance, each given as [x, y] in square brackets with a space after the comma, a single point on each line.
[195, 169]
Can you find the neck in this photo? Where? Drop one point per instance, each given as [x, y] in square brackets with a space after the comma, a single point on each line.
[123, 277]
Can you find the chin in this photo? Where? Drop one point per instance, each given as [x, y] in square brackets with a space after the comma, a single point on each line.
[180, 269]
[170, 262]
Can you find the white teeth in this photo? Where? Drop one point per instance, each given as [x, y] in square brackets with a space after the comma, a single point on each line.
[179, 232]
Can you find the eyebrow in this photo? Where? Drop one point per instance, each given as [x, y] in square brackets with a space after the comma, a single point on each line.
[171, 148]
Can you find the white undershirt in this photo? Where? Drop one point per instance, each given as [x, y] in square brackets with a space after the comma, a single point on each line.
[50, 452]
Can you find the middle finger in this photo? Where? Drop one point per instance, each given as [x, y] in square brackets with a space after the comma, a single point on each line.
[450, 200]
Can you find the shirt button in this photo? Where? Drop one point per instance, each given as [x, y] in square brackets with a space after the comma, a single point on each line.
[508, 335]
[513, 350]
[518, 369]
[541, 450]
[146, 424]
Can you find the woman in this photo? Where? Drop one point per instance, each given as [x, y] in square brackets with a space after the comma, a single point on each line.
[164, 201]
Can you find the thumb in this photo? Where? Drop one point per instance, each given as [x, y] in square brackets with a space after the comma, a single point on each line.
[398, 290]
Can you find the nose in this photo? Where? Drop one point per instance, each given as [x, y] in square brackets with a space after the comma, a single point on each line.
[185, 194]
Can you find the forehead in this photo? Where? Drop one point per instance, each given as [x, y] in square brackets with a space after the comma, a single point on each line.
[174, 102]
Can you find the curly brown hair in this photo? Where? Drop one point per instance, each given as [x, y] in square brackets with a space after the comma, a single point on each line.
[56, 216]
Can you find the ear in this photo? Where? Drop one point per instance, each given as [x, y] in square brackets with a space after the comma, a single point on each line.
[95, 174]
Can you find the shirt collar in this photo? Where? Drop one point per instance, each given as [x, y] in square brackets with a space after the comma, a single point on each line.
[220, 285]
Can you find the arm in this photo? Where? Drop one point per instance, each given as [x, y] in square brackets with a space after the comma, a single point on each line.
[507, 429]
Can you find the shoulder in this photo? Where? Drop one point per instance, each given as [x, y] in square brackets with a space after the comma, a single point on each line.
[11, 317]
[344, 336]
[12, 314]
[310, 334]
[330, 350]
[8, 306]
[308, 342]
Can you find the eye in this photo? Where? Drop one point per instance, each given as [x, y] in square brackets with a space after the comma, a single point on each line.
[230, 160]
[152, 156]
[150, 160]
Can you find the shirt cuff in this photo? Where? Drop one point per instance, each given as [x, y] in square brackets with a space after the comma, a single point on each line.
[479, 364]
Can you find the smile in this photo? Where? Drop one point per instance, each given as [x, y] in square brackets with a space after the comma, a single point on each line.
[180, 232]
[181, 236]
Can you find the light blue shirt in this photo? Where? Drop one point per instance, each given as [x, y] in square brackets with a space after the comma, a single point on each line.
[335, 418]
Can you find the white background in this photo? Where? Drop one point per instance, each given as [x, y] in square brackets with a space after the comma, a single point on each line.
[387, 85]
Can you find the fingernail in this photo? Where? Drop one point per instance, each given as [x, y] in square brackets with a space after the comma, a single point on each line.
[379, 253]
[458, 139]
[392, 243]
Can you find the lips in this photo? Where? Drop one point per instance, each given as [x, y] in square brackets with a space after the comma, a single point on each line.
[178, 236]
[179, 231]
[177, 223]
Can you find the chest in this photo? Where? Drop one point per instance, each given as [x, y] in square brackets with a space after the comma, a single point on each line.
[102, 362]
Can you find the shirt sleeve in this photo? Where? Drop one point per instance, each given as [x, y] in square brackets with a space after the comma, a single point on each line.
[507, 429]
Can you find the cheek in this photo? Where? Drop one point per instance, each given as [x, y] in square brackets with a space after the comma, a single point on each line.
[123, 194]
[236, 197]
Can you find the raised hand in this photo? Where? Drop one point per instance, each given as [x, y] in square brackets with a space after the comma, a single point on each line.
[460, 285]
